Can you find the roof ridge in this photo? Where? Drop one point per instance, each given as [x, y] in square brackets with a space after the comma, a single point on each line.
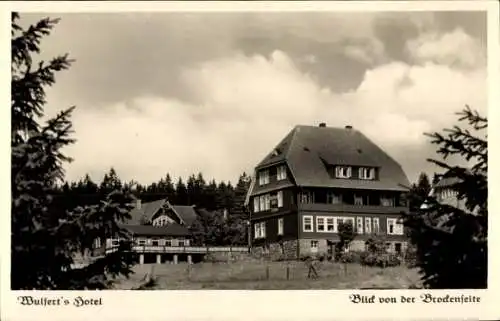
[292, 139]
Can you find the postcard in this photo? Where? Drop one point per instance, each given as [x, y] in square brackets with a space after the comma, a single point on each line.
[250, 160]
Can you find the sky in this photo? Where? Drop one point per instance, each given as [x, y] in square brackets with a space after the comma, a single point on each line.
[182, 93]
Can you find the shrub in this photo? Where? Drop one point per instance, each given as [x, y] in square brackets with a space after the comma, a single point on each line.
[381, 260]
[304, 257]
[411, 257]
[351, 257]
[370, 259]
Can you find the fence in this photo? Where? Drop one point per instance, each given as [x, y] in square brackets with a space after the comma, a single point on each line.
[276, 275]
[185, 249]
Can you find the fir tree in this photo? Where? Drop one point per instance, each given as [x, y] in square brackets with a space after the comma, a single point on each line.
[111, 182]
[238, 215]
[169, 189]
[181, 194]
[46, 238]
[451, 241]
[419, 192]
[210, 196]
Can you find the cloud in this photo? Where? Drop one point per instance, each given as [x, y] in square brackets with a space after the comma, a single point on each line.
[368, 51]
[455, 48]
[247, 103]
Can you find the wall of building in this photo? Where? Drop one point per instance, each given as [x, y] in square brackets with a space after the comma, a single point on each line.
[289, 204]
[290, 231]
[331, 235]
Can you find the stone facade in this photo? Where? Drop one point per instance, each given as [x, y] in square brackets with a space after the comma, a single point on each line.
[306, 247]
[283, 250]
[357, 246]
[288, 249]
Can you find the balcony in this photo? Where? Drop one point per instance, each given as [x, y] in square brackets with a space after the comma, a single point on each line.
[347, 208]
[184, 249]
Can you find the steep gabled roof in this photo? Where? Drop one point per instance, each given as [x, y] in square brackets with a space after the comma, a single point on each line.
[186, 213]
[280, 152]
[173, 229]
[308, 150]
[147, 210]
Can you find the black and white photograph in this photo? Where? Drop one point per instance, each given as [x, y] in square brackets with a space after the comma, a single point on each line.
[249, 150]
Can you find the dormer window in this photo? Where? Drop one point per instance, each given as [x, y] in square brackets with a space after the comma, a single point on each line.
[264, 177]
[343, 171]
[281, 173]
[366, 173]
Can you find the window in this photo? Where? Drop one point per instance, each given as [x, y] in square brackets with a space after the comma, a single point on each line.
[168, 243]
[344, 219]
[368, 225]
[320, 224]
[262, 203]
[359, 223]
[338, 221]
[260, 230]
[386, 201]
[306, 197]
[349, 220]
[279, 196]
[307, 223]
[264, 177]
[343, 172]
[330, 226]
[97, 243]
[332, 198]
[366, 173]
[281, 173]
[314, 246]
[358, 200]
[280, 226]
[393, 227]
[141, 242]
[256, 204]
[397, 247]
[155, 242]
[181, 243]
[267, 202]
[376, 225]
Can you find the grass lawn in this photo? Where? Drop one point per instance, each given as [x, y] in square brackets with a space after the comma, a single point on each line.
[270, 276]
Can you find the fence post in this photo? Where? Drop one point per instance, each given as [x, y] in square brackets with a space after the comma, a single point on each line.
[267, 272]
[345, 268]
[288, 272]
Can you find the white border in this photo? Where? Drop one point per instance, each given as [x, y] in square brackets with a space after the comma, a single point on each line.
[252, 305]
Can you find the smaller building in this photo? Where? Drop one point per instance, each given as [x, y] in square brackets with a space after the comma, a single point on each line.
[160, 233]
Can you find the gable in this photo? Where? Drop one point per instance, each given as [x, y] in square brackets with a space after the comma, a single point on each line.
[163, 219]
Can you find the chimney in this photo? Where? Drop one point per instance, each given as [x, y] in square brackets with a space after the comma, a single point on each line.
[322, 125]
[348, 127]
[138, 204]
